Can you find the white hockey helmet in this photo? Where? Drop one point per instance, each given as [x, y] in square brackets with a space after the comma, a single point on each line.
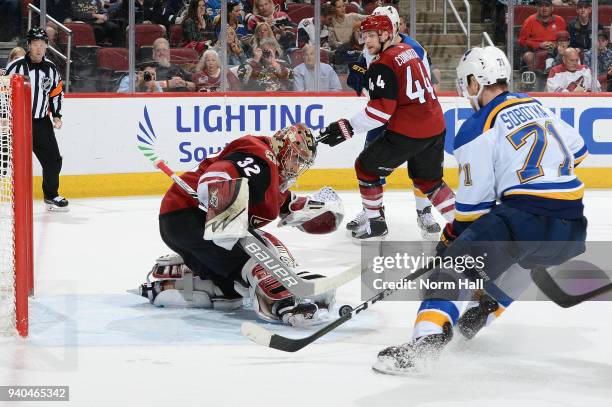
[393, 15]
[488, 65]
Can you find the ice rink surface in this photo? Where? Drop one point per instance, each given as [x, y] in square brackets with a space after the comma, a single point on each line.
[114, 349]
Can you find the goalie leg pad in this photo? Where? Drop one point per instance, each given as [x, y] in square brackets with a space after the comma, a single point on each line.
[271, 301]
[176, 286]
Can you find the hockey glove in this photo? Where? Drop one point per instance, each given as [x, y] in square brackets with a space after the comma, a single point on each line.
[356, 76]
[336, 133]
[446, 239]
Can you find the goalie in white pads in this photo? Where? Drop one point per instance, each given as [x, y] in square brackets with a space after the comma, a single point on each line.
[217, 272]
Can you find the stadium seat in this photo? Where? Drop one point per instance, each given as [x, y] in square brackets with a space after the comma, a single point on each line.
[112, 64]
[145, 34]
[176, 35]
[299, 11]
[185, 57]
[297, 57]
[605, 15]
[567, 12]
[521, 13]
[82, 35]
[113, 59]
[83, 52]
[351, 8]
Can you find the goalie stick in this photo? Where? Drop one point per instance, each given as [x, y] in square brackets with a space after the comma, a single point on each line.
[259, 252]
[262, 336]
[542, 278]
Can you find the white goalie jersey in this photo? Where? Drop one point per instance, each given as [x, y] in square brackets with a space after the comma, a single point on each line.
[517, 151]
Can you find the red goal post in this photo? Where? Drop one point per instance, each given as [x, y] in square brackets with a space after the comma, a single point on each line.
[16, 223]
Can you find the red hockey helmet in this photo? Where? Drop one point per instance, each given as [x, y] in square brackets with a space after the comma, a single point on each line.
[295, 149]
[378, 23]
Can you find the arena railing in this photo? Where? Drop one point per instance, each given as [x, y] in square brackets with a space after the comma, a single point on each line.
[465, 27]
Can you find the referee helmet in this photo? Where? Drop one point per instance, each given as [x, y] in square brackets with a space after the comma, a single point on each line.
[37, 33]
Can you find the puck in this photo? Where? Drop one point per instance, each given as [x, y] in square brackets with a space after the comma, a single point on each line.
[345, 309]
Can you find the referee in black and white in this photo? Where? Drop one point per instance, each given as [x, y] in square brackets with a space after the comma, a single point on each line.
[47, 97]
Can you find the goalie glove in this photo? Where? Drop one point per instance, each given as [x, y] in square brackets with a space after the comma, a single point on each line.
[336, 133]
[317, 214]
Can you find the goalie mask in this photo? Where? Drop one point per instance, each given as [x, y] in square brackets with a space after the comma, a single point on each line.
[295, 149]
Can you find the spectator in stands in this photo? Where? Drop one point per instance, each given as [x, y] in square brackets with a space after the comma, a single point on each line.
[236, 50]
[279, 21]
[15, 53]
[93, 13]
[207, 76]
[146, 79]
[604, 58]
[304, 74]
[403, 25]
[61, 10]
[265, 71]
[198, 30]
[213, 8]
[173, 12]
[263, 31]
[563, 40]
[173, 78]
[580, 27]
[571, 76]
[145, 11]
[234, 19]
[350, 51]
[306, 28]
[539, 33]
[342, 24]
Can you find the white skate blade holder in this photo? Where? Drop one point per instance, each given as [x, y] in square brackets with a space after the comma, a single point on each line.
[55, 208]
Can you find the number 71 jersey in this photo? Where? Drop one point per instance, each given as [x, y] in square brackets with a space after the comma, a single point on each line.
[401, 94]
[517, 151]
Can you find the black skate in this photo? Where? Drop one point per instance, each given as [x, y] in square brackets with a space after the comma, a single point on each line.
[475, 318]
[371, 229]
[430, 230]
[408, 358]
[359, 220]
[57, 204]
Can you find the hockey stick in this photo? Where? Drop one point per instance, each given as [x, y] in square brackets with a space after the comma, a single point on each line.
[262, 336]
[542, 278]
[259, 252]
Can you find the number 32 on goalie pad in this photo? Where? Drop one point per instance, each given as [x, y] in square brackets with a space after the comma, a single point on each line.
[227, 217]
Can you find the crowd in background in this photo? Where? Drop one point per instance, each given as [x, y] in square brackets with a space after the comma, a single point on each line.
[269, 49]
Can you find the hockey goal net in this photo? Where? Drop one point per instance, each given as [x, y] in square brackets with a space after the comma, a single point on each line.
[16, 266]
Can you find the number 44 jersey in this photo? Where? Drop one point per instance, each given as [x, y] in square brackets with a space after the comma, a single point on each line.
[518, 152]
[401, 94]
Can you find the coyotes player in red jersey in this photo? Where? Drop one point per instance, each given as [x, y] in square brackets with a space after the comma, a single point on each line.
[401, 95]
[207, 275]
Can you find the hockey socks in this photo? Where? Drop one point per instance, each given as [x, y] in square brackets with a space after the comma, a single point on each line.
[440, 196]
